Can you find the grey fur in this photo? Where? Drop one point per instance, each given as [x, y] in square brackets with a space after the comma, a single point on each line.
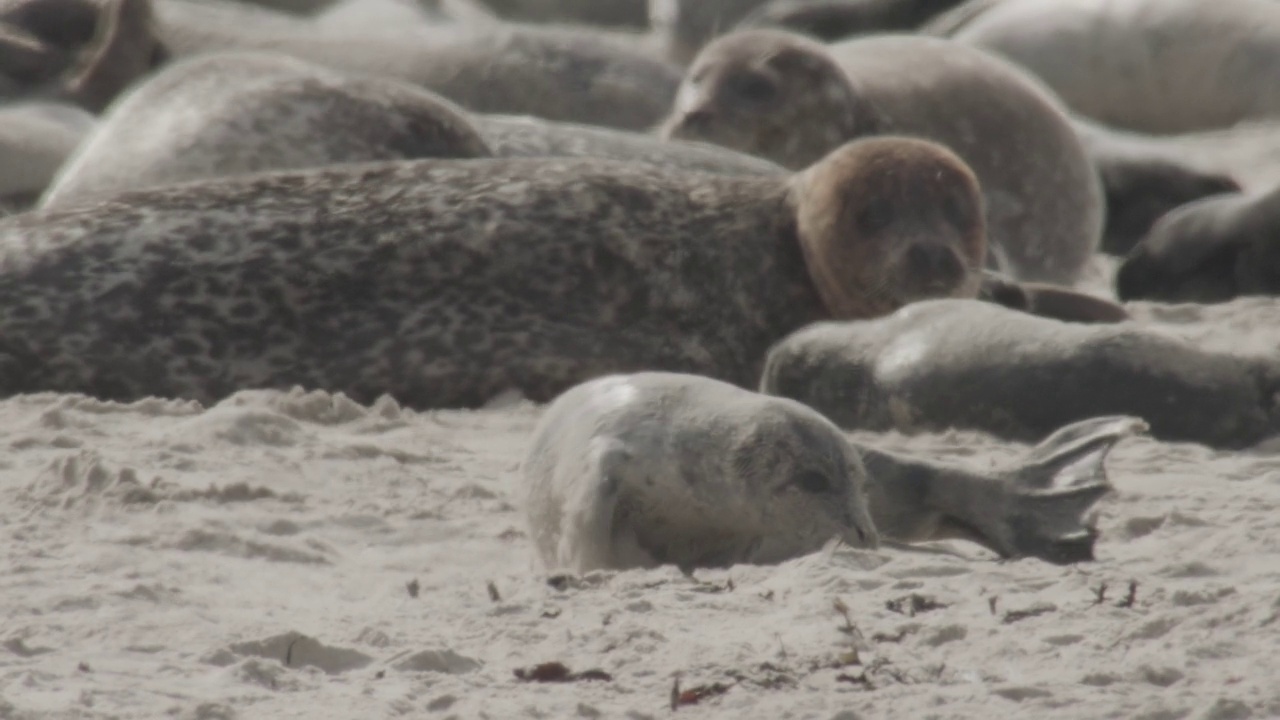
[1044, 204]
[654, 468]
[964, 364]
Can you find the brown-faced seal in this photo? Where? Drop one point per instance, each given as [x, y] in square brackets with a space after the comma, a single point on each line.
[549, 72]
[447, 282]
[77, 51]
[221, 114]
[655, 468]
[791, 99]
[1158, 66]
[964, 364]
[1208, 251]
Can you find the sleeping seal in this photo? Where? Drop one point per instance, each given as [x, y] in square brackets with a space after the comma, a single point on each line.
[790, 99]
[1208, 251]
[963, 364]
[657, 468]
[447, 282]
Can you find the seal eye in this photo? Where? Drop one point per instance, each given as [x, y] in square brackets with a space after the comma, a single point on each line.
[813, 482]
[755, 87]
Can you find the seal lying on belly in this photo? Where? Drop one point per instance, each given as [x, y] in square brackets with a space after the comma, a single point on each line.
[790, 99]
[447, 282]
[963, 364]
[656, 468]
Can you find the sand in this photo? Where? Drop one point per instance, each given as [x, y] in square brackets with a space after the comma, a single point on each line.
[291, 554]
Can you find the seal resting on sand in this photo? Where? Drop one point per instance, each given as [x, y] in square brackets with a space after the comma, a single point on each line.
[1208, 251]
[964, 364]
[660, 468]
[790, 99]
[1155, 66]
[448, 282]
[233, 113]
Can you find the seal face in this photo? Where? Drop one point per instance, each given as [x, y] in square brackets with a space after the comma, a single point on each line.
[656, 468]
[447, 282]
[791, 100]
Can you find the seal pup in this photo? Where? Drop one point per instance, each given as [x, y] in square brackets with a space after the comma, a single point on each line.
[448, 282]
[1156, 66]
[963, 364]
[1208, 251]
[223, 114]
[791, 99]
[657, 468]
[555, 73]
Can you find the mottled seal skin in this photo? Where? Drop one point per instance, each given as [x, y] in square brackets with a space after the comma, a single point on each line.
[964, 364]
[232, 113]
[556, 73]
[1158, 66]
[658, 468]
[76, 51]
[224, 114]
[790, 99]
[830, 20]
[1208, 251]
[448, 282]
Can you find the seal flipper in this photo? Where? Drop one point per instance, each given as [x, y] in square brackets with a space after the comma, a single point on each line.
[1034, 509]
[593, 533]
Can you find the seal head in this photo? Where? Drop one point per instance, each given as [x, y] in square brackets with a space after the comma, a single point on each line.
[886, 221]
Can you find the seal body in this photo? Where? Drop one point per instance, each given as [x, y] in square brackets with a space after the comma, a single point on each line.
[790, 99]
[1212, 250]
[233, 113]
[964, 364]
[830, 20]
[35, 140]
[655, 468]
[1158, 66]
[446, 283]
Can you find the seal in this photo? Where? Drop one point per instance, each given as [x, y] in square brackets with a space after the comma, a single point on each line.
[555, 73]
[658, 468]
[830, 20]
[36, 138]
[1155, 66]
[225, 114]
[1208, 251]
[76, 51]
[791, 99]
[963, 364]
[230, 113]
[685, 26]
[632, 14]
[447, 282]
[354, 16]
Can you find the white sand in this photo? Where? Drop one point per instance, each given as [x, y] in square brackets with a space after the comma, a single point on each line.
[159, 558]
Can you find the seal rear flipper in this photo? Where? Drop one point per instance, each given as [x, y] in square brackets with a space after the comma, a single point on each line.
[594, 535]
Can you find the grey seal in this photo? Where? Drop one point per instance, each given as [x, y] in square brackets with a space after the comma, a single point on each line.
[229, 113]
[658, 468]
[1208, 251]
[831, 20]
[448, 282]
[1157, 66]
[964, 364]
[790, 99]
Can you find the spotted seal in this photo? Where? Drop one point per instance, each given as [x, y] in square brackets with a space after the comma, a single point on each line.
[1208, 251]
[448, 282]
[964, 364]
[229, 113]
[1157, 66]
[659, 468]
[790, 99]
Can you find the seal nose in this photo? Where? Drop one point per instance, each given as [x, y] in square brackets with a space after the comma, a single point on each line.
[937, 264]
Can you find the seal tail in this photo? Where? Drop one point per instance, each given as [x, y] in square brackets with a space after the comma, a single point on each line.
[1056, 485]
